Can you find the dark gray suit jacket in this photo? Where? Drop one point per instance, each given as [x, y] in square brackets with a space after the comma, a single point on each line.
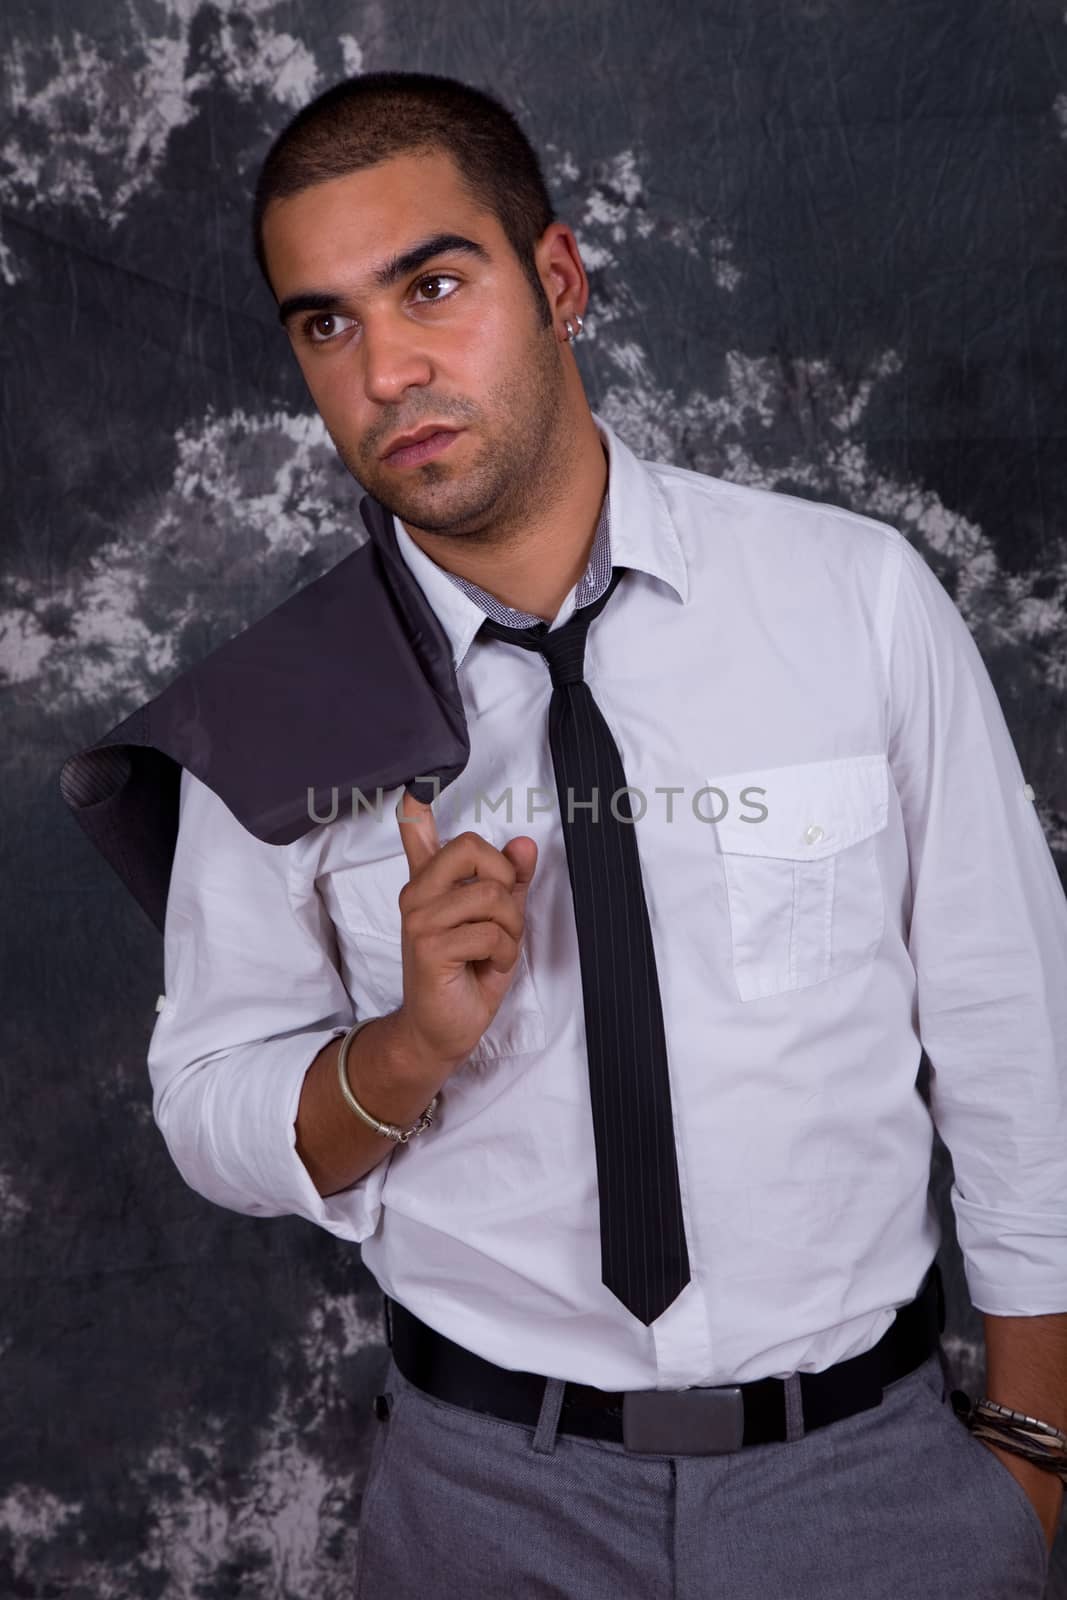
[347, 684]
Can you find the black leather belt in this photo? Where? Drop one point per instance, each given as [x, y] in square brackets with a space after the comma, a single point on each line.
[706, 1421]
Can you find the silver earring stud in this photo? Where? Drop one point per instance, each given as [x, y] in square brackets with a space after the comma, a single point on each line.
[569, 326]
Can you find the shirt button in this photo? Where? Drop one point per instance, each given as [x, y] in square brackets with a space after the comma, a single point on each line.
[1028, 790]
[813, 833]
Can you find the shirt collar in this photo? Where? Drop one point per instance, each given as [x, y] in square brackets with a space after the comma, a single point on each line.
[590, 585]
[639, 526]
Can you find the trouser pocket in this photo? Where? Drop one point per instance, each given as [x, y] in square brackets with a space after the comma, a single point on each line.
[996, 1496]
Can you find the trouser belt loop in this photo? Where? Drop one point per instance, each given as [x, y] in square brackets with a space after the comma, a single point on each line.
[544, 1440]
[794, 1408]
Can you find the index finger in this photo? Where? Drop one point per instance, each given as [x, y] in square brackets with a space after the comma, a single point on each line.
[418, 831]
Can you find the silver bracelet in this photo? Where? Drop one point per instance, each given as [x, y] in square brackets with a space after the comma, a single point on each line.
[388, 1129]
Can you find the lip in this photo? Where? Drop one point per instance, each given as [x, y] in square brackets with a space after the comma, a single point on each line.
[411, 448]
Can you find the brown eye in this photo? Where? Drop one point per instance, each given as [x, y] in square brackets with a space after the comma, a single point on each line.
[433, 284]
[324, 326]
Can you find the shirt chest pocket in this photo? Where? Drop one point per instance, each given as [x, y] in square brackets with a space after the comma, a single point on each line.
[363, 902]
[803, 885]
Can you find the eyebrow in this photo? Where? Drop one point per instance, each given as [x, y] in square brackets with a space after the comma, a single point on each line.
[390, 272]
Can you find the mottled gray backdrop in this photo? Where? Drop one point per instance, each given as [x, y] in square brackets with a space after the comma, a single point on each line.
[826, 242]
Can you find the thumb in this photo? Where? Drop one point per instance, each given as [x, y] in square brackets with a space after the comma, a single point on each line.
[522, 853]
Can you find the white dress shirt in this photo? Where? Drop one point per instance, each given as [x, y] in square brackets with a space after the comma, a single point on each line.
[849, 867]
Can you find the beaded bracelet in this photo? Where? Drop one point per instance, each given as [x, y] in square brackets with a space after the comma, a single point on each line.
[1016, 1432]
[388, 1129]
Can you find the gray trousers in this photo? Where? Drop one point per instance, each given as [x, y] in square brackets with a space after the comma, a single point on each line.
[898, 1502]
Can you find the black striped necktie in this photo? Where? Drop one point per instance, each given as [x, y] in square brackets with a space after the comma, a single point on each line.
[644, 1259]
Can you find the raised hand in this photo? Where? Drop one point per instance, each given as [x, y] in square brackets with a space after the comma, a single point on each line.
[462, 915]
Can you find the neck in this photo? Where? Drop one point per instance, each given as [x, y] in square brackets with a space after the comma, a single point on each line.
[544, 557]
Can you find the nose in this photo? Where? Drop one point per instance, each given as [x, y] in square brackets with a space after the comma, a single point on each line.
[393, 361]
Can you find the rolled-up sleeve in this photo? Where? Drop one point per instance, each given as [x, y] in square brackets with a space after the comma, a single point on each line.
[252, 996]
[988, 942]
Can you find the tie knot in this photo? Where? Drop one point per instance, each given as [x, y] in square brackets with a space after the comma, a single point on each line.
[563, 648]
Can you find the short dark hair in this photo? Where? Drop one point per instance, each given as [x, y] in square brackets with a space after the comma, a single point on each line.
[364, 120]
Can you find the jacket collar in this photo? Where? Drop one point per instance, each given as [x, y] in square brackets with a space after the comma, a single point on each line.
[349, 683]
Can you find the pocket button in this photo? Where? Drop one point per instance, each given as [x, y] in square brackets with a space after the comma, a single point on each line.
[813, 833]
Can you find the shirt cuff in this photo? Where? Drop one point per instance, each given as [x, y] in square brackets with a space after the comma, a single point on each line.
[351, 1213]
[230, 1128]
[1015, 1262]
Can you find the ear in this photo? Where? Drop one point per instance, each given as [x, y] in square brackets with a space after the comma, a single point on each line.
[559, 265]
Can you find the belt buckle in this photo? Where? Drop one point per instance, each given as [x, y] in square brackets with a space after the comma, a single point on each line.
[684, 1422]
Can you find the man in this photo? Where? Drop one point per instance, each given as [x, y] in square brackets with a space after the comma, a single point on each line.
[627, 1124]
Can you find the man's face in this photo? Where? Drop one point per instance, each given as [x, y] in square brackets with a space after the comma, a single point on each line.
[406, 306]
